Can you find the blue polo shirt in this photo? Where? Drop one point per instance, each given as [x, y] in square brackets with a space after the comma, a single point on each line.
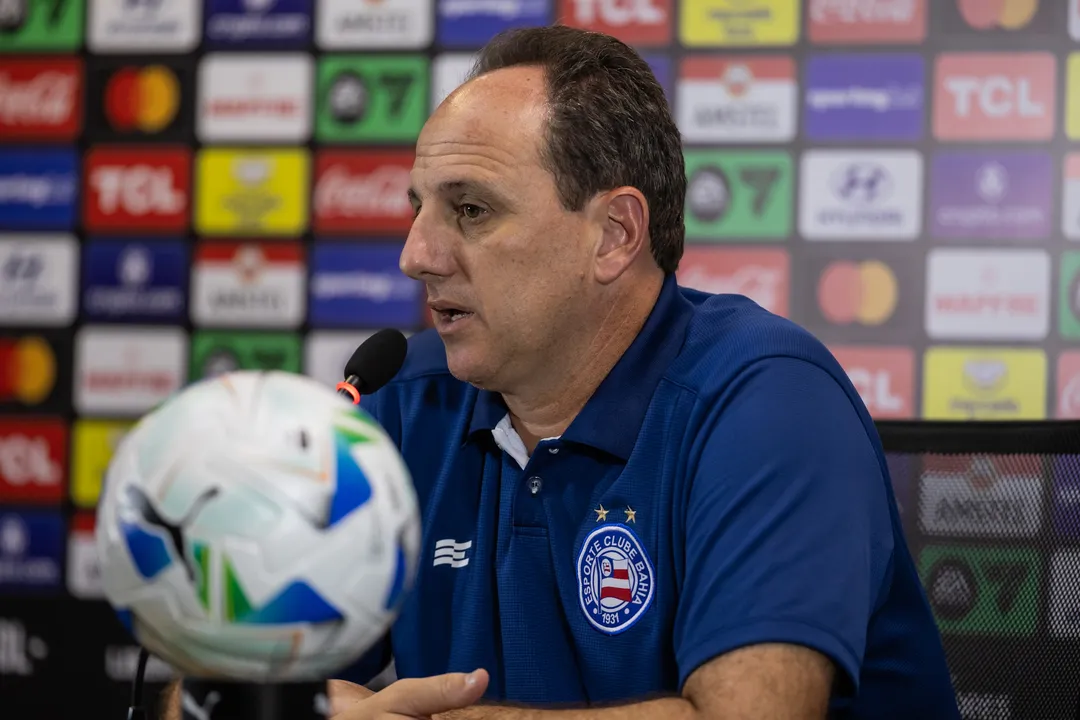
[724, 486]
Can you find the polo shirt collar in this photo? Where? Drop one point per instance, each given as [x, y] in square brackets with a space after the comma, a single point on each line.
[612, 418]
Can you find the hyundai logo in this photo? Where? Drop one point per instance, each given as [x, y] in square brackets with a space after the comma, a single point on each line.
[862, 183]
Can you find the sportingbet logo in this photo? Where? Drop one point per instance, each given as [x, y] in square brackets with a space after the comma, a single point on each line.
[32, 460]
[998, 96]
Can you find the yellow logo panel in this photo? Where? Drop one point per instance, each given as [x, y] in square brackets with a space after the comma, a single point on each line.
[92, 446]
[1072, 99]
[984, 384]
[739, 23]
[251, 192]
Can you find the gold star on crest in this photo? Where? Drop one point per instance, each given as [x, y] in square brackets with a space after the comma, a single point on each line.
[631, 514]
[601, 514]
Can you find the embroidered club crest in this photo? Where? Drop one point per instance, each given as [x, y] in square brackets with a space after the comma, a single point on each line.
[615, 578]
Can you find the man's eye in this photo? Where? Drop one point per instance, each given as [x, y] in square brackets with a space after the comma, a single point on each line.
[472, 212]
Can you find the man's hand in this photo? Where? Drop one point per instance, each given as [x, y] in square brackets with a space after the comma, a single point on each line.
[411, 699]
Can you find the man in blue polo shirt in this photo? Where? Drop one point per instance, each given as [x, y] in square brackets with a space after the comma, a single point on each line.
[638, 501]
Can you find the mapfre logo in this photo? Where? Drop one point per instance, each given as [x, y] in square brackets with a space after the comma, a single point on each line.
[884, 377]
[994, 96]
[988, 294]
[764, 276]
[137, 188]
[33, 460]
[41, 99]
[255, 97]
[126, 372]
[238, 284]
[363, 191]
[867, 21]
[636, 22]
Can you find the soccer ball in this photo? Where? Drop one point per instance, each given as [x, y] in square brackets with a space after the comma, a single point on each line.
[257, 527]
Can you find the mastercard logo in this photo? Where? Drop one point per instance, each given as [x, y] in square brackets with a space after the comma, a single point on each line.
[1007, 14]
[27, 370]
[857, 292]
[144, 99]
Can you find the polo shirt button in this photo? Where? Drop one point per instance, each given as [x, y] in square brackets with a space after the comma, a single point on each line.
[536, 483]
[553, 450]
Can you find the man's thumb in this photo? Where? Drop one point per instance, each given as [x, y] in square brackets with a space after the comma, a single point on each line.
[423, 697]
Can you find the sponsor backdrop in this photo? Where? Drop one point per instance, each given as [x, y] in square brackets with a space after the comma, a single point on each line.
[192, 186]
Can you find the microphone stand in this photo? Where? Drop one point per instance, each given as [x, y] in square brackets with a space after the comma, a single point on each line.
[214, 699]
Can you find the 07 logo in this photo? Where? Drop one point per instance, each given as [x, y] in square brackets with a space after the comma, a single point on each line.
[14, 13]
[984, 590]
[761, 181]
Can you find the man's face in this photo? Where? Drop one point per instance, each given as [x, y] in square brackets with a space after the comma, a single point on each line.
[507, 269]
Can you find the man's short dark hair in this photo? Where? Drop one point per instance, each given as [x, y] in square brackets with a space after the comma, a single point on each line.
[610, 124]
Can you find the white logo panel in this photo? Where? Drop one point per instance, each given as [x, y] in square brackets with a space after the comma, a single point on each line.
[973, 505]
[987, 294]
[128, 371]
[160, 26]
[255, 97]
[360, 24]
[448, 71]
[39, 277]
[860, 195]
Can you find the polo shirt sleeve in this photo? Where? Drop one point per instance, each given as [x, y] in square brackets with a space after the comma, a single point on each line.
[788, 535]
[377, 658]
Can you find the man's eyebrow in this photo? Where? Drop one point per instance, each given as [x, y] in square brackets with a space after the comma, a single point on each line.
[457, 186]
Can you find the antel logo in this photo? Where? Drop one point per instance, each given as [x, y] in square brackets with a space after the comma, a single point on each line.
[248, 284]
[363, 191]
[867, 21]
[974, 496]
[255, 97]
[884, 377]
[1068, 385]
[738, 100]
[41, 99]
[988, 294]
[137, 188]
[369, 24]
[635, 22]
[764, 275]
[865, 292]
[127, 371]
[994, 96]
[33, 460]
[144, 99]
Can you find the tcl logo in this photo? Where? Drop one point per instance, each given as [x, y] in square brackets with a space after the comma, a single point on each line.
[137, 189]
[1001, 96]
[33, 458]
[641, 22]
[884, 378]
[41, 99]
[357, 192]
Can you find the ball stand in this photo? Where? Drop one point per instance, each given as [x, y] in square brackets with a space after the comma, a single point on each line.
[225, 700]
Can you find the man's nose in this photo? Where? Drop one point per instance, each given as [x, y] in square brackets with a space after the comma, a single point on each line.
[426, 251]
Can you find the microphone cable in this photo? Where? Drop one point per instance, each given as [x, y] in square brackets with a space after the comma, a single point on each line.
[136, 711]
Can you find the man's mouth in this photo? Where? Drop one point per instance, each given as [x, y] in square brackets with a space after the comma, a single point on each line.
[449, 313]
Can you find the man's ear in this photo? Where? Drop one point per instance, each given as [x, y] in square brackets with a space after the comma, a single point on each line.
[624, 215]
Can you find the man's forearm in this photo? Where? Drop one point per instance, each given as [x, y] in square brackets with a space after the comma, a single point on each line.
[660, 709]
[170, 702]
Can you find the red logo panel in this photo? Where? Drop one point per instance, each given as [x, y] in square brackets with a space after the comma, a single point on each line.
[884, 377]
[867, 21]
[994, 96]
[137, 188]
[363, 192]
[762, 275]
[635, 22]
[41, 99]
[33, 460]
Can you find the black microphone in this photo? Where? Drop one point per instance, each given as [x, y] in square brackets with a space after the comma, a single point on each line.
[373, 364]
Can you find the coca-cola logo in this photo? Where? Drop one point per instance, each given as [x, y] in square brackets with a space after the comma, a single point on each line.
[759, 283]
[46, 99]
[381, 193]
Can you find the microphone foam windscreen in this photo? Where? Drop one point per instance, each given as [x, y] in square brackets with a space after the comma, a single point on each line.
[377, 360]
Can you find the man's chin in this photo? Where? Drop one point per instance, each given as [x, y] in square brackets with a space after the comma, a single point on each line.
[465, 365]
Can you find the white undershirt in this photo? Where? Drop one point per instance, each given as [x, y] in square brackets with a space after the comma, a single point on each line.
[508, 440]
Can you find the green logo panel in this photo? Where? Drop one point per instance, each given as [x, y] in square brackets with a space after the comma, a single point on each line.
[213, 353]
[364, 98]
[41, 24]
[1069, 308]
[982, 590]
[738, 195]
